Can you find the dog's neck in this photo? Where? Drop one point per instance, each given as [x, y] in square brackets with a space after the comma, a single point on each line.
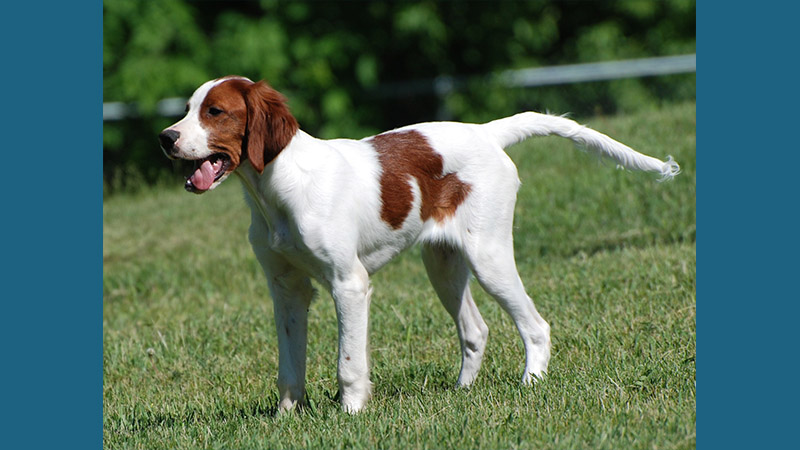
[262, 187]
[250, 180]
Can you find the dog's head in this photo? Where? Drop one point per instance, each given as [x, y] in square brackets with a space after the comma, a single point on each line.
[227, 121]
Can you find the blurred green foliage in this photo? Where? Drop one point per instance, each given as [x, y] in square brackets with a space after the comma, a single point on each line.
[339, 63]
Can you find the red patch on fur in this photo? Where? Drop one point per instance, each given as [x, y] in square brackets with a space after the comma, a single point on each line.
[270, 125]
[255, 122]
[407, 154]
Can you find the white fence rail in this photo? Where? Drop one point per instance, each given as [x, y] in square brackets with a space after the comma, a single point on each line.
[533, 77]
[601, 71]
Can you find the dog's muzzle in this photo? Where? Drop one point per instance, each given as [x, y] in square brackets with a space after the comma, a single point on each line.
[168, 138]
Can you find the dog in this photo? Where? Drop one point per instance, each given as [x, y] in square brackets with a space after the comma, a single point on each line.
[338, 210]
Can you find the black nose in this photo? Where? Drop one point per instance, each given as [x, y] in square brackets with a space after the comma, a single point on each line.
[167, 138]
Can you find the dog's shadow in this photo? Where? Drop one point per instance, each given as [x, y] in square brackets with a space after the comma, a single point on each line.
[414, 379]
[142, 421]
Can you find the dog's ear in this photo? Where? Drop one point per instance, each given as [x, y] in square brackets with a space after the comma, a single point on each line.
[270, 125]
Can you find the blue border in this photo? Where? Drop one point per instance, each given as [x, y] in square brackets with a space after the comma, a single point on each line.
[52, 301]
[748, 156]
[52, 224]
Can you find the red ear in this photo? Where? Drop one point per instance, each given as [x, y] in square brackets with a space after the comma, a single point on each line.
[270, 125]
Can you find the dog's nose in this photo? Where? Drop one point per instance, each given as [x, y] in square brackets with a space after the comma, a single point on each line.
[167, 138]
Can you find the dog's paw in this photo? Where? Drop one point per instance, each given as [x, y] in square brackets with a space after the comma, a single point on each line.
[354, 397]
[352, 408]
[531, 378]
[288, 404]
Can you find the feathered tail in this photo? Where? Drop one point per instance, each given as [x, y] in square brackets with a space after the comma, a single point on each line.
[511, 130]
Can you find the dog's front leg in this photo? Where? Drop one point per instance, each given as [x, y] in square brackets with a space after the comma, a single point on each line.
[291, 296]
[351, 293]
[292, 293]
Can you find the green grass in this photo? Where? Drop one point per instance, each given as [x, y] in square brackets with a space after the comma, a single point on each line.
[190, 353]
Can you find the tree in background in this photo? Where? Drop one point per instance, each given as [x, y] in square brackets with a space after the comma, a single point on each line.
[351, 69]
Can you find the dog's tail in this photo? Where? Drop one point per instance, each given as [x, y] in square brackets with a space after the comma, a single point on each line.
[511, 130]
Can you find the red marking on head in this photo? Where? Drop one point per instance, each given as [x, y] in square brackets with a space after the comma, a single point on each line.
[408, 154]
[247, 120]
[223, 114]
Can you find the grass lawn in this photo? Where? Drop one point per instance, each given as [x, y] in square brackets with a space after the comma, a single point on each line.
[190, 352]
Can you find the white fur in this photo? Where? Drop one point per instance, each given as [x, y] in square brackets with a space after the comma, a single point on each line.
[316, 214]
[511, 130]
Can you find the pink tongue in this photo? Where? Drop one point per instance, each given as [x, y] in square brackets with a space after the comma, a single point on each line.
[203, 178]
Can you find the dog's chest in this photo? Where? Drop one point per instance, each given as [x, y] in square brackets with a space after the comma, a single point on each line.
[284, 237]
[273, 231]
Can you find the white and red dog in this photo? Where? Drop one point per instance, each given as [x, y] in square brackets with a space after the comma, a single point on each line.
[338, 210]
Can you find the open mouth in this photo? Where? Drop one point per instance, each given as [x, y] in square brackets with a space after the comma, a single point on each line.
[206, 172]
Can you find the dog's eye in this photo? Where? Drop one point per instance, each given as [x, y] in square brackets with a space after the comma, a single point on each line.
[214, 111]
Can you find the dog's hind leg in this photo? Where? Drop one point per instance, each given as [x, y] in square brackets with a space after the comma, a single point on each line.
[492, 262]
[351, 294]
[449, 275]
